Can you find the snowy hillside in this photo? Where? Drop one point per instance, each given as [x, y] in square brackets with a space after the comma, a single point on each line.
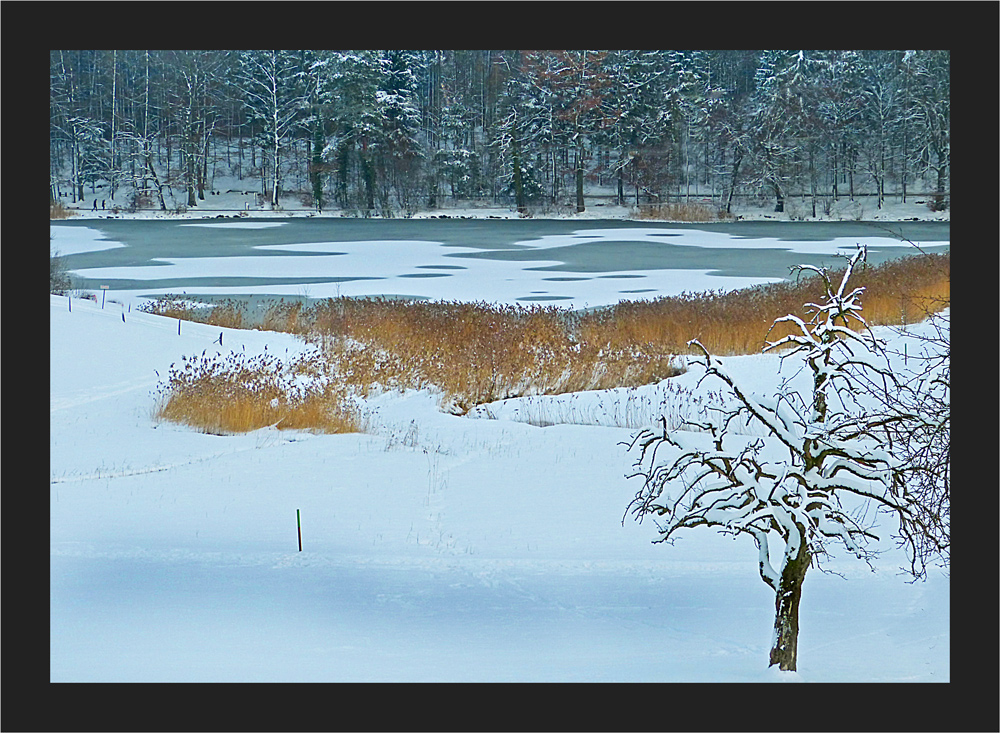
[434, 547]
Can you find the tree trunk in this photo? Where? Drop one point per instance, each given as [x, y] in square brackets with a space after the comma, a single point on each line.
[343, 155]
[580, 208]
[621, 185]
[518, 183]
[156, 179]
[190, 173]
[785, 647]
[276, 171]
[316, 169]
[812, 182]
[203, 168]
[737, 160]
[940, 197]
[368, 175]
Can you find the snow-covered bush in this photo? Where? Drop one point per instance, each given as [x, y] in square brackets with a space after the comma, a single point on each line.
[59, 280]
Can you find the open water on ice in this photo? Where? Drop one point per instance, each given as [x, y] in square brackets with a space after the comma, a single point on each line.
[549, 262]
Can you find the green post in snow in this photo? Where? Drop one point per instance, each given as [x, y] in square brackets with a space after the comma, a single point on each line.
[298, 521]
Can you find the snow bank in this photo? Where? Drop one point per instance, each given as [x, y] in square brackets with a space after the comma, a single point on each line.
[435, 548]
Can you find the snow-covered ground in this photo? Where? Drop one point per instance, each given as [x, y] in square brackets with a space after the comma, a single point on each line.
[434, 547]
[231, 196]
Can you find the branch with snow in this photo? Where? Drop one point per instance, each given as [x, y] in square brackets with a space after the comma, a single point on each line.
[792, 485]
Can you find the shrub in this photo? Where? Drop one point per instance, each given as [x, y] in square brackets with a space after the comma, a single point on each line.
[58, 211]
[59, 280]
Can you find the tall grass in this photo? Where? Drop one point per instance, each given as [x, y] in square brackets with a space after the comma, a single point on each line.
[685, 212]
[476, 353]
[58, 211]
[237, 394]
[473, 352]
[59, 279]
[738, 322]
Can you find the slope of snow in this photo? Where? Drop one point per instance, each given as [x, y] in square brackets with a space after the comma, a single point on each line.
[435, 548]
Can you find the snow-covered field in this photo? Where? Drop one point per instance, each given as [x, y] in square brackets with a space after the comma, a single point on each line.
[434, 547]
[233, 195]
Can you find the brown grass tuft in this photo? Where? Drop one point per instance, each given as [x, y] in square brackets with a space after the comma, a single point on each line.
[237, 394]
[685, 212]
[58, 211]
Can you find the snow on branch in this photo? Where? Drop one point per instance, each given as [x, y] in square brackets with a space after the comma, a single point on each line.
[789, 486]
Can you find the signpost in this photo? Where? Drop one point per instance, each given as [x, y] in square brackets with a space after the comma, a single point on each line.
[104, 292]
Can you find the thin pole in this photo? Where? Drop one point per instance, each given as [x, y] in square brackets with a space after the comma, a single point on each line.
[298, 521]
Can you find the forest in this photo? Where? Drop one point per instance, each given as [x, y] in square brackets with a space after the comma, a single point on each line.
[389, 132]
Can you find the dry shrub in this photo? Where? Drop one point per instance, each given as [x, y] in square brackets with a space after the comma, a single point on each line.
[473, 352]
[174, 306]
[58, 211]
[685, 212]
[286, 317]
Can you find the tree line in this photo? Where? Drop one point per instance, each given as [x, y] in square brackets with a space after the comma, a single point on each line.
[389, 132]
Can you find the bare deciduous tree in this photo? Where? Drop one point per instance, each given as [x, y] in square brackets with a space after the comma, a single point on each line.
[825, 460]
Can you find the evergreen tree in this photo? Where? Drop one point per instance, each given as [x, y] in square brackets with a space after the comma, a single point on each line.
[381, 129]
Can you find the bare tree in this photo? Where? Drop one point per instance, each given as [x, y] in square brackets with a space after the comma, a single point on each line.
[811, 481]
[269, 82]
[921, 395]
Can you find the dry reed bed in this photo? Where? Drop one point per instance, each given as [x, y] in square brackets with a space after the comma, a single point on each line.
[479, 352]
[473, 352]
[237, 394]
[738, 322]
[686, 212]
[58, 211]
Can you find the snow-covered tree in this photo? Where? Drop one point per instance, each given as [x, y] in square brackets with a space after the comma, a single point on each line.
[387, 124]
[920, 393]
[375, 119]
[526, 126]
[274, 99]
[641, 109]
[932, 98]
[808, 484]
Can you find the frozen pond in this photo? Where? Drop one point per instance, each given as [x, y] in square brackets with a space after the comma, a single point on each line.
[566, 263]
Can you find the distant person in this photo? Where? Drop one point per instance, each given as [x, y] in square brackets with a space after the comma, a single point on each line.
[95, 205]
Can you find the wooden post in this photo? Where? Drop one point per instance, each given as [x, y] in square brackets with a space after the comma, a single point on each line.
[298, 521]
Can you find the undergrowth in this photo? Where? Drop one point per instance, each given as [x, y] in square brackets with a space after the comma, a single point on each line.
[58, 211]
[475, 353]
